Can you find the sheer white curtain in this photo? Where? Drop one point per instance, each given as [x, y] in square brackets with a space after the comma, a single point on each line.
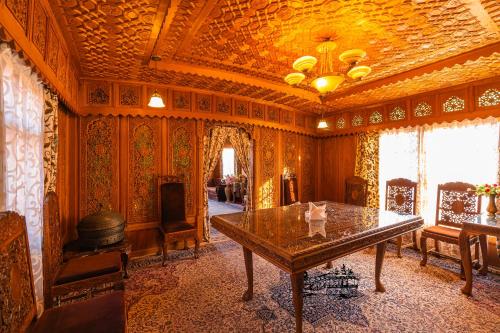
[21, 144]
[464, 151]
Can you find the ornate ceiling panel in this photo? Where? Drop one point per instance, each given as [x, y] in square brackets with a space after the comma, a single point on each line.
[260, 39]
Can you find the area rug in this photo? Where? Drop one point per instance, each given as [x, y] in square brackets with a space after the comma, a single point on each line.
[204, 295]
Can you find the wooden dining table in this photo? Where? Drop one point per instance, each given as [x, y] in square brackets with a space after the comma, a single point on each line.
[286, 239]
[483, 226]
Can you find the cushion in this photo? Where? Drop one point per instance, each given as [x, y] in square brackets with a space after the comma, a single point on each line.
[103, 314]
[87, 267]
[445, 231]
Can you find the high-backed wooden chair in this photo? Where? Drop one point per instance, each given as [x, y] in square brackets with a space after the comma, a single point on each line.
[77, 274]
[289, 190]
[356, 191]
[456, 203]
[401, 197]
[104, 314]
[172, 208]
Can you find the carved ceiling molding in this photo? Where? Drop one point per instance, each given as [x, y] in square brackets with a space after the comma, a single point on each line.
[246, 47]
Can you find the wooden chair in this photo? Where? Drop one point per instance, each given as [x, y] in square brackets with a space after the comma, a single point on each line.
[401, 197]
[76, 274]
[172, 208]
[356, 191]
[455, 204]
[289, 190]
[104, 314]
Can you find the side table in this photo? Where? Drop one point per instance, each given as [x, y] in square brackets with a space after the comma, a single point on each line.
[74, 249]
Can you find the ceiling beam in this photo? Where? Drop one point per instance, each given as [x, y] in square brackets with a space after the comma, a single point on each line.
[436, 66]
[235, 77]
[484, 18]
[164, 18]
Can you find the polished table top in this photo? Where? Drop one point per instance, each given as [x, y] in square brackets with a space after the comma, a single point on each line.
[285, 233]
[484, 223]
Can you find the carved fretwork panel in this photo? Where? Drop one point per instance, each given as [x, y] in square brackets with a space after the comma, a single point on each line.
[289, 149]
[401, 199]
[17, 301]
[62, 65]
[182, 150]
[39, 29]
[223, 105]
[308, 164]
[456, 207]
[241, 108]
[203, 103]
[99, 93]
[98, 164]
[52, 56]
[144, 167]
[268, 189]
[273, 114]
[287, 117]
[258, 111]
[129, 95]
[181, 100]
[19, 9]
[300, 120]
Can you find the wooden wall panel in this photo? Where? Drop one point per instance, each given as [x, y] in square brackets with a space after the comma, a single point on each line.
[290, 154]
[99, 167]
[338, 155]
[144, 156]
[308, 162]
[267, 162]
[182, 157]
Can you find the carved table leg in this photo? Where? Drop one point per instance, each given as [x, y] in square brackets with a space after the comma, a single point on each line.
[124, 256]
[379, 259]
[399, 242]
[414, 239]
[297, 280]
[196, 248]
[423, 249]
[249, 268]
[463, 241]
[483, 242]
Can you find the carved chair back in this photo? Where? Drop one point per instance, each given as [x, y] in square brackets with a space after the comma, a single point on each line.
[456, 203]
[401, 196]
[17, 293]
[356, 191]
[52, 244]
[289, 190]
[172, 206]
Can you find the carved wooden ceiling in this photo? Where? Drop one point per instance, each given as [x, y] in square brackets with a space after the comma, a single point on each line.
[247, 47]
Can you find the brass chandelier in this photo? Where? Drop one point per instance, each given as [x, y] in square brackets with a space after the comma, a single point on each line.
[327, 77]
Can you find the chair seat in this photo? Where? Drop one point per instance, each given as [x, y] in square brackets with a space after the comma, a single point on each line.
[103, 314]
[445, 231]
[176, 226]
[88, 267]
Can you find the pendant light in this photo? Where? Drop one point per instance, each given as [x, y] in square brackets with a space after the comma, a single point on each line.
[322, 124]
[156, 101]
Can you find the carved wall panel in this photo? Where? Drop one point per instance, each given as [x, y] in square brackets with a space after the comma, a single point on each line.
[52, 49]
[258, 111]
[39, 29]
[19, 9]
[273, 114]
[98, 164]
[182, 152]
[267, 185]
[129, 95]
[181, 100]
[290, 148]
[99, 93]
[308, 165]
[300, 120]
[62, 67]
[241, 108]
[144, 167]
[203, 103]
[287, 117]
[223, 105]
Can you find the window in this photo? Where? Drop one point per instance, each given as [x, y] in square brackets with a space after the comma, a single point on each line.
[432, 155]
[21, 157]
[228, 162]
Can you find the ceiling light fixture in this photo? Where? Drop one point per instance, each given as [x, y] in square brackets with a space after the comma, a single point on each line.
[322, 124]
[328, 77]
[156, 101]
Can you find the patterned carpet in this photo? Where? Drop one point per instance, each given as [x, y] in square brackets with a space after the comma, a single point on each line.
[204, 295]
